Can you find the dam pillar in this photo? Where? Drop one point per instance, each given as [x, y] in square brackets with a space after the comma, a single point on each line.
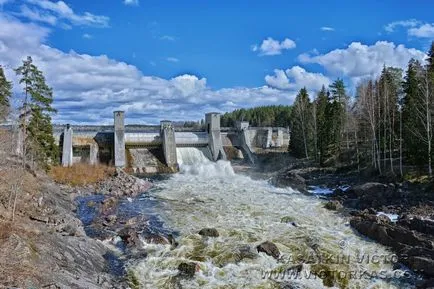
[269, 138]
[167, 133]
[279, 141]
[67, 146]
[212, 121]
[93, 154]
[244, 137]
[119, 136]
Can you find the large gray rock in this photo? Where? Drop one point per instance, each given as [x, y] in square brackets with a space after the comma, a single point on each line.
[269, 248]
[209, 232]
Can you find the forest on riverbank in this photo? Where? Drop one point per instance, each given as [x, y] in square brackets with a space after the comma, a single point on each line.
[387, 125]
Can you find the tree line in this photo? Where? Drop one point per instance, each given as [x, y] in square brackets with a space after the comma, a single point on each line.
[388, 124]
[34, 114]
[273, 115]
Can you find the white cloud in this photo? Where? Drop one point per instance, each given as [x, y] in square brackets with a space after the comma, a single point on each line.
[424, 31]
[87, 36]
[168, 38]
[131, 2]
[414, 27]
[359, 60]
[87, 89]
[296, 78]
[404, 23]
[327, 28]
[272, 47]
[49, 12]
[37, 15]
[172, 59]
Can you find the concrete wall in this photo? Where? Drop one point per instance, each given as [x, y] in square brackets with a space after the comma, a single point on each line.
[119, 135]
[212, 121]
[169, 144]
[108, 144]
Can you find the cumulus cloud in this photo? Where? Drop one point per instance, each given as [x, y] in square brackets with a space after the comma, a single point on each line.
[403, 23]
[414, 27]
[131, 2]
[272, 47]
[59, 12]
[87, 89]
[296, 78]
[87, 36]
[359, 60]
[327, 28]
[424, 31]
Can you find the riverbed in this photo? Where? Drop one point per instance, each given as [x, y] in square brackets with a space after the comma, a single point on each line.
[247, 212]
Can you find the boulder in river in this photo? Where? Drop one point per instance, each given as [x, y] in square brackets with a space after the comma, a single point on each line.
[269, 248]
[187, 269]
[333, 205]
[209, 232]
[129, 236]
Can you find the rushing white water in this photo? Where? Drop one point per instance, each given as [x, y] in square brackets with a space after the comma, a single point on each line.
[247, 212]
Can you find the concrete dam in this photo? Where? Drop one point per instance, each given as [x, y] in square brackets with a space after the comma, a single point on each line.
[153, 149]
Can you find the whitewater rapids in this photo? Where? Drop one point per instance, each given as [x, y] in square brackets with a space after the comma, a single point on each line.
[248, 212]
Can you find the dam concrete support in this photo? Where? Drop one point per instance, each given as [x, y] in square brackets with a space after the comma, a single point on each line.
[119, 136]
[244, 136]
[279, 141]
[67, 147]
[269, 142]
[93, 154]
[212, 121]
[169, 145]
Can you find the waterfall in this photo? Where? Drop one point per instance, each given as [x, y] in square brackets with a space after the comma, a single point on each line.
[197, 161]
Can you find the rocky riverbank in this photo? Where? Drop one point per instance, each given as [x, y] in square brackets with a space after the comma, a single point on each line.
[397, 214]
[49, 246]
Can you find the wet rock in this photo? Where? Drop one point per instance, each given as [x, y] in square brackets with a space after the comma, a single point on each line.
[333, 205]
[157, 239]
[421, 264]
[269, 248]
[129, 236]
[290, 179]
[244, 252]
[209, 232]
[187, 269]
[418, 224]
[415, 250]
[109, 205]
[426, 284]
[287, 219]
[110, 220]
[172, 241]
[123, 184]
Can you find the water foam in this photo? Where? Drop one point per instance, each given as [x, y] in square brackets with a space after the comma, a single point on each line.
[246, 212]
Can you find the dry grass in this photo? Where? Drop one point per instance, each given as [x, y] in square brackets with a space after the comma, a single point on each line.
[81, 174]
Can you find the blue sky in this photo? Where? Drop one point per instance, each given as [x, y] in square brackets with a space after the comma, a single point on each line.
[179, 59]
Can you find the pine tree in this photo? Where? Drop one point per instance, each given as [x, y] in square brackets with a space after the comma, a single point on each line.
[5, 95]
[301, 133]
[336, 112]
[36, 114]
[414, 150]
[322, 124]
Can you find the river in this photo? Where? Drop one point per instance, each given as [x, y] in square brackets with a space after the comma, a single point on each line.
[246, 213]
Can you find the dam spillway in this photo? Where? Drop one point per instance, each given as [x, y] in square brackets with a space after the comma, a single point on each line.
[151, 149]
